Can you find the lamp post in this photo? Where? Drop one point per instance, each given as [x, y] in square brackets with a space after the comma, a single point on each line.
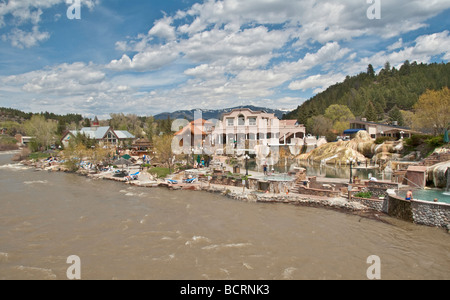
[246, 164]
[350, 162]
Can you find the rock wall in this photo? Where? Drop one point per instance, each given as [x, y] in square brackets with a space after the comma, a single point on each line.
[374, 204]
[430, 213]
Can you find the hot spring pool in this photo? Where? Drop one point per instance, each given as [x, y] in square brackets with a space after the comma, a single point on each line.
[429, 195]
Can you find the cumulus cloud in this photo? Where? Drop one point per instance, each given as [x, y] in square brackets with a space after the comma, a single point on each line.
[23, 13]
[222, 52]
[318, 82]
[22, 39]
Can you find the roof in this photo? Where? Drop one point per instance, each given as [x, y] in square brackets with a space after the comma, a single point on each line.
[199, 124]
[288, 122]
[98, 133]
[379, 124]
[246, 109]
[421, 169]
[352, 131]
[122, 135]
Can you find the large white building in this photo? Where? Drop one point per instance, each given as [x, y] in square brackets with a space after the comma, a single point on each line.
[257, 127]
[240, 129]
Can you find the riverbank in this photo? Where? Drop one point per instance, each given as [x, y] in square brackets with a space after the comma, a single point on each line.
[145, 180]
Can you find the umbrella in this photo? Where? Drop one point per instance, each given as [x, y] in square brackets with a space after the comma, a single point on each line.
[126, 156]
[122, 161]
[446, 138]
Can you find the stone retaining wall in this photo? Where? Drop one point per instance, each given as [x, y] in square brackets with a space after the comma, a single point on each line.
[318, 192]
[374, 204]
[416, 211]
[430, 213]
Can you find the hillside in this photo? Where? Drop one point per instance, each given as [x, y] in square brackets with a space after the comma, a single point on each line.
[387, 89]
[209, 114]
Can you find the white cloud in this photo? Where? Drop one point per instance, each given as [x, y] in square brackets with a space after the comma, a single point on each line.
[222, 53]
[422, 50]
[151, 59]
[22, 39]
[163, 29]
[26, 12]
[64, 79]
[317, 82]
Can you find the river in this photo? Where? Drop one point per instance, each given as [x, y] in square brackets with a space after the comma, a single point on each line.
[122, 232]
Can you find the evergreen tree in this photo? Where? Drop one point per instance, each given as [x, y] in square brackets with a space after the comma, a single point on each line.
[86, 122]
[395, 115]
[370, 113]
[371, 71]
[61, 127]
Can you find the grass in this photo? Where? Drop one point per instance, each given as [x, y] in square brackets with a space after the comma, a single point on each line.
[8, 143]
[38, 155]
[160, 172]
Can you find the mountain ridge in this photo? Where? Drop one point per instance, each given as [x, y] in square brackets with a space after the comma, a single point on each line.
[208, 114]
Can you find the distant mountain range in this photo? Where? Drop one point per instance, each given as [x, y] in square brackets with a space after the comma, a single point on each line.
[208, 114]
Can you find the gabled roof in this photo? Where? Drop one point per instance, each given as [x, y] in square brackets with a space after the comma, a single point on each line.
[194, 127]
[121, 134]
[99, 133]
[288, 123]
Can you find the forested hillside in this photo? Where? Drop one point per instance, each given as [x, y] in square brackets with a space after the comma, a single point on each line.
[375, 95]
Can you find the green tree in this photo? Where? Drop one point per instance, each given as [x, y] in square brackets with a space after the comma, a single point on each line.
[432, 111]
[43, 131]
[395, 115]
[340, 115]
[371, 71]
[370, 114]
[62, 125]
[319, 125]
[163, 148]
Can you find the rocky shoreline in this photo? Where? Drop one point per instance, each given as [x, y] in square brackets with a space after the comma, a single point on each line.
[236, 193]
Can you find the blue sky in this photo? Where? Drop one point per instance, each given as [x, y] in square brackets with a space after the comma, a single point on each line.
[146, 57]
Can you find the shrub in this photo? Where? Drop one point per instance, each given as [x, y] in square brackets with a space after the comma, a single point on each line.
[366, 195]
[435, 141]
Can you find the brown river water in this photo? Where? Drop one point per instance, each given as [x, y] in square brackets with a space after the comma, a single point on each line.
[123, 232]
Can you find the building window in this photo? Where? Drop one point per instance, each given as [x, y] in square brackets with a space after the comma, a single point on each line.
[230, 122]
[252, 121]
[111, 138]
[241, 120]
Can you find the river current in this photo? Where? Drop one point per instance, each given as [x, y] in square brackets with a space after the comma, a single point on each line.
[123, 232]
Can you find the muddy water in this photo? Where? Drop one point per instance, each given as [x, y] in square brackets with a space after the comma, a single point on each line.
[122, 232]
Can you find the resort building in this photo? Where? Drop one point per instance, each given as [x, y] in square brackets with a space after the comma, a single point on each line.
[241, 129]
[103, 135]
[195, 135]
[377, 130]
[256, 128]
